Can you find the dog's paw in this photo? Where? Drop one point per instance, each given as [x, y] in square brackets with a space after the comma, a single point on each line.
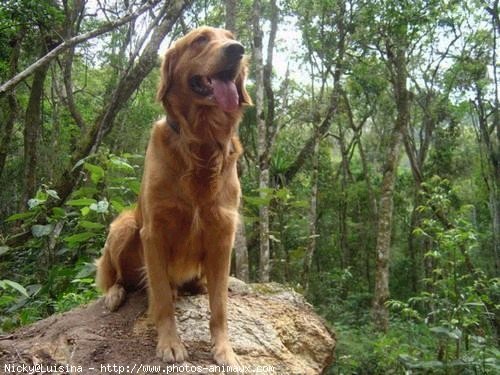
[225, 356]
[115, 297]
[171, 350]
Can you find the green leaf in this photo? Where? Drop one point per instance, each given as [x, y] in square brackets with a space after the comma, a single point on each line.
[15, 286]
[300, 204]
[90, 225]
[81, 202]
[256, 201]
[283, 194]
[117, 205]
[41, 230]
[135, 186]
[79, 237]
[121, 164]
[96, 172]
[20, 216]
[58, 212]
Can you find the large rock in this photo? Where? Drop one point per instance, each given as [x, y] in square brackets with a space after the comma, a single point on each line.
[269, 325]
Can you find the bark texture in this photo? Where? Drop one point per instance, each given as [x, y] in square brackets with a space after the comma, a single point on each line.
[397, 59]
[32, 130]
[241, 266]
[268, 326]
[264, 258]
[311, 245]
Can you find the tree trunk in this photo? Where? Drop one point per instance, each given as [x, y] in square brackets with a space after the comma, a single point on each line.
[11, 112]
[265, 127]
[345, 175]
[264, 266]
[384, 230]
[32, 127]
[490, 145]
[241, 265]
[397, 59]
[231, 11]
[495, 192]
[10, 116]
[311, 245]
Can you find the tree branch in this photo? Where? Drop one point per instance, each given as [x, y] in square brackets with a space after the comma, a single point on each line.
[13, 82]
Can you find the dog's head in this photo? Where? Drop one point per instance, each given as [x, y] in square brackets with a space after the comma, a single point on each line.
[206, 67]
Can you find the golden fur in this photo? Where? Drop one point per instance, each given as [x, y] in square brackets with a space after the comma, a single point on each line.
[182, 230]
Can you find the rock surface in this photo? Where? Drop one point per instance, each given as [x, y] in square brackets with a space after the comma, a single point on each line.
[269, 326]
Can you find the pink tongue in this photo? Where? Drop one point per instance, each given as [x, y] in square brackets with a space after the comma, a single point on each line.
[226, 95]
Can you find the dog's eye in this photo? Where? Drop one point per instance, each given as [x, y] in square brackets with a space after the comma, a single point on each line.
[201, 40]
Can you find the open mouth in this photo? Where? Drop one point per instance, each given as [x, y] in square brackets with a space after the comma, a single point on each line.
[220, 86]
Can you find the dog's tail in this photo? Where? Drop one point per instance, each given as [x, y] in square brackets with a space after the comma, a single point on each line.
[120, 263]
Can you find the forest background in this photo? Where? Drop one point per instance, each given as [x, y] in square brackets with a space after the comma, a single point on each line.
[371, 173]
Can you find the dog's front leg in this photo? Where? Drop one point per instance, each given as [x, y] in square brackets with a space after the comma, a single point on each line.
[217, 264]
[161, 301]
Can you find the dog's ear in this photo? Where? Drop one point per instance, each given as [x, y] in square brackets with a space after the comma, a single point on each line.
[245, 98]
[167, 72]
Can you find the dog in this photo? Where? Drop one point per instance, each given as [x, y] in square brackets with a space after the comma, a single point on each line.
[182, 230]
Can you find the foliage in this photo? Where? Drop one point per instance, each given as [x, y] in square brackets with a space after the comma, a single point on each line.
[457, 304]
[57, 263]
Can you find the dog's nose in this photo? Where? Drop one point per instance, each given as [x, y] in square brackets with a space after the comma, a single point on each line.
[234, 50]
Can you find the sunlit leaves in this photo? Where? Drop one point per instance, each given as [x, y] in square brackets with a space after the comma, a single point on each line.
[6, 284]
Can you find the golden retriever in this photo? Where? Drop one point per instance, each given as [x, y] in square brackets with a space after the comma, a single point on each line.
[183, 228]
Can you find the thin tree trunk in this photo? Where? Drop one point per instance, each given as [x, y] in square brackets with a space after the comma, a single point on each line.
[384, 230]
[264, 266]
[231, 11]
[385, 216]
[311, 245]
[492, 169]
[11, 112]
[241, 266]
[373, 212]
[495, 192]
[241, 269]
[267, 131]
[342, 212]
[494, 198]
[72, 24]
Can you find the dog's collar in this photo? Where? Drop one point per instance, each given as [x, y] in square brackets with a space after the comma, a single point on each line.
[174, 126]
